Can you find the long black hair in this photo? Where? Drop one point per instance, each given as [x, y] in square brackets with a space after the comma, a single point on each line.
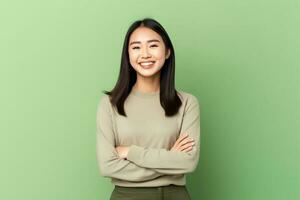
[169, 98]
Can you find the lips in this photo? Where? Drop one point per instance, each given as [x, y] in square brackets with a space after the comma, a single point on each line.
[147, 64]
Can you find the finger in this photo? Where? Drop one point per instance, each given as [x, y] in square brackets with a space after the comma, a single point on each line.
[189, 144]
[186, 146]
[187, 149]
[186, 140]
[182, 137]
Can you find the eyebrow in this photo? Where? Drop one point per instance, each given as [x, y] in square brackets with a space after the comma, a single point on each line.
[137, 42]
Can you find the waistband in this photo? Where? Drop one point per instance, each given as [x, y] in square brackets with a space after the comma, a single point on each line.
[165, 187]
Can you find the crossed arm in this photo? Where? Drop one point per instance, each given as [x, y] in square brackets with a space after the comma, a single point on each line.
[183, 144]
[143, 163]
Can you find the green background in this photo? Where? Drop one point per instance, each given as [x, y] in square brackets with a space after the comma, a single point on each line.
[240, 58]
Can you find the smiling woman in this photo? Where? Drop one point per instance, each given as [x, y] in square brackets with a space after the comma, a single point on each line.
[147, 51]
[150, 147]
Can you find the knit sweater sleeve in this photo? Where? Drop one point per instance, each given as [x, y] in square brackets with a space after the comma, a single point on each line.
[109, 162]
[173, 162]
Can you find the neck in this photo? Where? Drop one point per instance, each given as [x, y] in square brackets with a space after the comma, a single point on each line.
[147, 84]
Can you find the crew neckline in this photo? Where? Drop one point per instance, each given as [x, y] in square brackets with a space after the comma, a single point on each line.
[145, 94]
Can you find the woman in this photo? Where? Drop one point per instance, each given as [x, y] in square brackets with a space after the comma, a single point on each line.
[148, 134]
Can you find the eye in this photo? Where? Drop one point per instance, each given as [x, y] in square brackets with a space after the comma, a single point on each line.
[135, 47]
[154, 45]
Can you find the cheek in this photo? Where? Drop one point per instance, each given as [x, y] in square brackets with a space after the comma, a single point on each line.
[132, 57]
[159, 54]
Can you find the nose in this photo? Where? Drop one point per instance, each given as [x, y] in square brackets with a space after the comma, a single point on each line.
[145, 53]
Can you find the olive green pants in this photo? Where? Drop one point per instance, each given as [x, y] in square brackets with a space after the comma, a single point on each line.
[170, 192]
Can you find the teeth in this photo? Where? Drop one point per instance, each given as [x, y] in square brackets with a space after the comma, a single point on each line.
[146, 63]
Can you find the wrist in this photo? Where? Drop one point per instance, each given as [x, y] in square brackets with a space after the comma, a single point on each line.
[127, 151]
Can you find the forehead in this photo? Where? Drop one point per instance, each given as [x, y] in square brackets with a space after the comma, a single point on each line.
[142, 34]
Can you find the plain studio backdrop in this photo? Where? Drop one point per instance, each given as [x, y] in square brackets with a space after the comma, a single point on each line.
[240, 58]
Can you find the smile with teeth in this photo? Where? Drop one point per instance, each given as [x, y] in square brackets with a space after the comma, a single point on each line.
[147, 64]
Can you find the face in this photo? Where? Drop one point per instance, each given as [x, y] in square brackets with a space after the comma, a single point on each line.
[147, 52]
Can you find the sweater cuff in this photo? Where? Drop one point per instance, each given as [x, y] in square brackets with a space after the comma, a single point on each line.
[133, 153]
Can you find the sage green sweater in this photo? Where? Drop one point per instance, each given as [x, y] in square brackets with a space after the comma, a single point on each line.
[150, 135]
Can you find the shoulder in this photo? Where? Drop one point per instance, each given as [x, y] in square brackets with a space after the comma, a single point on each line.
[104, 103]
[104, 99]
[187, 97]
[190, 102]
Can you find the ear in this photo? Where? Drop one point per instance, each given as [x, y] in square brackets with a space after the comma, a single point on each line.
[168, 53]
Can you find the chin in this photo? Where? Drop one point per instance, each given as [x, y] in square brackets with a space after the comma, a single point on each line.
[148, 74]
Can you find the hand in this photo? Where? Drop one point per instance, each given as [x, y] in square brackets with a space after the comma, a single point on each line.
[183, 144]
[122, 151]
